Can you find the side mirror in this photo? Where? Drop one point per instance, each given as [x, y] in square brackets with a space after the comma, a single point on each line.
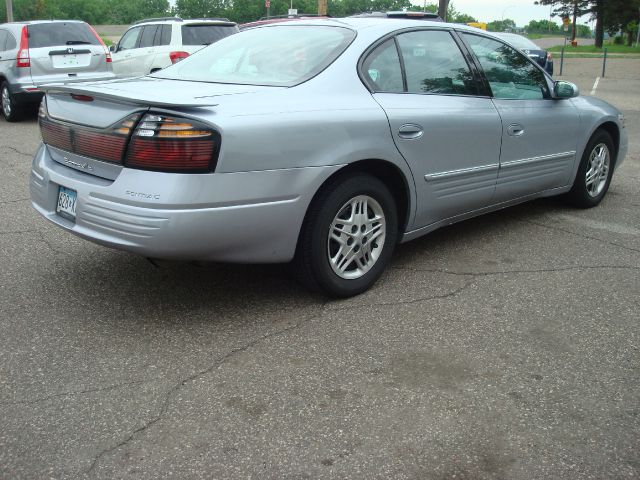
[562, 89]
[113, 48]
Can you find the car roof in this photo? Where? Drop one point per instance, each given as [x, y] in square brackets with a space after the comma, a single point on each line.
[37, 22]
[185, 21]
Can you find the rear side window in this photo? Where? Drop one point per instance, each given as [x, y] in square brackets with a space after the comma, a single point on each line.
[3, 40]
[148, 33]
[11, 42]
[205, 34]
[382, 69]
[164, 37]
[434, 64]
[60, 33]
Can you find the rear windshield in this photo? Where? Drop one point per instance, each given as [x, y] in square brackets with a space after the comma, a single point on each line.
[205, 34]
[282, 55]
[60, 34]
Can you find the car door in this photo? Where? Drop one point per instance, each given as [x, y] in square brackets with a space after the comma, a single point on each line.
[448, 133]
[539, 133]
[123, 58]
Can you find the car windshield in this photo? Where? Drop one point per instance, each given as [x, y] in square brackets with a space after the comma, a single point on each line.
[282, 55]
[205, 34]
[520, 42]
[60, 33]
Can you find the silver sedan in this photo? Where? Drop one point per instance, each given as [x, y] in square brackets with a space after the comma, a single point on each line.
[325, 142]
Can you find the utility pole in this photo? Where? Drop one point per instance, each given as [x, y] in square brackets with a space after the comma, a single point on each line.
[9, 10]
[322, 8]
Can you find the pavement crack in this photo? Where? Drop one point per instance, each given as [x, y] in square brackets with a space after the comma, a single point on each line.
[72, 393]
[17, 200]
[582, 235]
[191, 378]
[449, 294]
[13, 149]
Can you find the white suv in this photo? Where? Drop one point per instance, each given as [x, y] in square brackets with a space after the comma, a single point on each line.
[152, 44]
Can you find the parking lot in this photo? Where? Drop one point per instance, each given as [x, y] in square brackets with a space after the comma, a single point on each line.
[504, 347]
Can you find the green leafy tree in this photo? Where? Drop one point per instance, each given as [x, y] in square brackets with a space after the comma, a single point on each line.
[622, 16]
[501, 25]
[543, 26]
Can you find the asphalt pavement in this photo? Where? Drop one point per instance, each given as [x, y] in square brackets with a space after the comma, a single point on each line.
[504, 347]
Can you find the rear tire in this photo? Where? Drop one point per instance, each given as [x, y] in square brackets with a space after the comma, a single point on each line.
[348, 236]
[10, 109]
[594, 173]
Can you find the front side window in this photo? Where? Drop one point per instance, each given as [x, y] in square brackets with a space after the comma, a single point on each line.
[130, 39]
[510, 74]
[282, 55]
[434, 64]
[382, 69]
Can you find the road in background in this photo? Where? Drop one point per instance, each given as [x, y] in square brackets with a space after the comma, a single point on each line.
[507, 346]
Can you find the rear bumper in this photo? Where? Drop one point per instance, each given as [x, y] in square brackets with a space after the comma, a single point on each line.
[252, 217]
[29, 91]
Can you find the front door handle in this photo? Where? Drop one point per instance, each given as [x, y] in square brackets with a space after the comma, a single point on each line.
[410, 131]
[515, 130]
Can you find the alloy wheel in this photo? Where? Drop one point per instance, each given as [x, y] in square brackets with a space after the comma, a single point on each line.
[597, 170]
[356, 237]
[6, 102]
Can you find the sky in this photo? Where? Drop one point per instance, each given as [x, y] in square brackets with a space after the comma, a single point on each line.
[521, 11]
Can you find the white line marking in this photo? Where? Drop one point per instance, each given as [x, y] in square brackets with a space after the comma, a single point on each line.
[595, 86]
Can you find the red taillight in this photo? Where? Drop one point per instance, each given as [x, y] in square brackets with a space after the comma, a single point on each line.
[177, 56]
[108, 145]
[107, 53]
[171, 144]
[23, 53]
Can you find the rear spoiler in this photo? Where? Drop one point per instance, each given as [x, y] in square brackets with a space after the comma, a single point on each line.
[148, 99]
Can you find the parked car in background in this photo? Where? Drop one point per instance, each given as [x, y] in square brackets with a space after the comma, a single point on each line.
[47, 51]
[323, 141]
[533, 51]
[153, 44]
[411, 15]
[280, 19]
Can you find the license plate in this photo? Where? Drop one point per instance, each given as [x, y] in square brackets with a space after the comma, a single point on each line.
[71, 60]
[67, 200]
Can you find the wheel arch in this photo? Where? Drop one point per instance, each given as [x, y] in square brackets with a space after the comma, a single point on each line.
[612, 129]
[389, 174]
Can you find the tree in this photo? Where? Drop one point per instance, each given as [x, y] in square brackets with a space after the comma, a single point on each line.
[501, 25]
[542, 26]
[576, 8]
[622, 16]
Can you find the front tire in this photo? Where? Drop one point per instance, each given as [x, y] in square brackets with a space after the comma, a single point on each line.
[348, 236]
[8, 105]
[594, 173]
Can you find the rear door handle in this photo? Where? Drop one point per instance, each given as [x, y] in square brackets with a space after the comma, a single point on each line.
[410, 131]
[515, 130]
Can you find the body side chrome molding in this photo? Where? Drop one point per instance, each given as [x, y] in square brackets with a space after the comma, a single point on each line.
[542, 158]
[463, 171]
